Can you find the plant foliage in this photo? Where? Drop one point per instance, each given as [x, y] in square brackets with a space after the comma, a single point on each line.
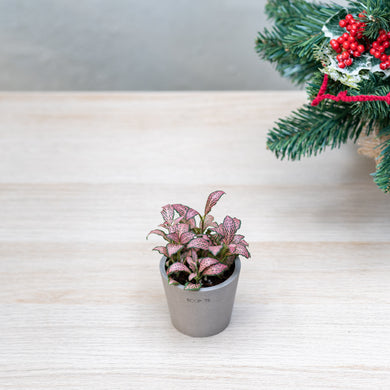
[197, 247]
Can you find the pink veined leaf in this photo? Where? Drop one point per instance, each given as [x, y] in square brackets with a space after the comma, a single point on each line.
[237, 223]
[243, 242]
[191, 276]
[187, 237]
[215, 269]
[241, 250]
[172, 282]
[192, 223]
[177, 267]
[222, 230]
[207, 238]
[215, 249]
[191, 213]
[177, 220]
[192, 286]
[182, 228]
[180, 208]
[165, 225]
[209, 222]
[206, 262]
[199, 243]
[191, 262]
[237, 238]
[194, 254]
[173, 248]
[232, 248]
[162, 250]
[219, 229]
[168, 213]
[173, 237]
[212, 201]
[230, 227]
[158, 232]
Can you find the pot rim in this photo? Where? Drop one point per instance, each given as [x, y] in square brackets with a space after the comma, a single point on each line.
[233, 276]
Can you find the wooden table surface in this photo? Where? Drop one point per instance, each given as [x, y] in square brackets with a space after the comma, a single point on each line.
[82, 179]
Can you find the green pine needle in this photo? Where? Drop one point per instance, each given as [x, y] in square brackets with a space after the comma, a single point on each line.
[310, 130]
[382, 174]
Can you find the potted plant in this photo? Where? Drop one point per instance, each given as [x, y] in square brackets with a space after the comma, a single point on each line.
[200, 266]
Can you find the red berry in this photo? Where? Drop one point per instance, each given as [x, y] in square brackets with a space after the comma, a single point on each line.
[383, 57]
[341, 65]
[386, 44]
[342, 23]
[345, 55]
[351, 39]
[333, 42]
[345, 36]
[382, 65]
[349, 17]
[381, 49]
[375, 45]
[353, 32]
[361, 48]
[348, 61]
[339, 57]
[377, 54]
[340, 40]
[346, 45]
[354, 46]
[357, 53]
[372, 51]
[359, 35]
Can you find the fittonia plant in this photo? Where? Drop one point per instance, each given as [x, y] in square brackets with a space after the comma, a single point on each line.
[199, 252]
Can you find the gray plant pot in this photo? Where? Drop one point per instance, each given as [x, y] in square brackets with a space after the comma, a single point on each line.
[205, 312]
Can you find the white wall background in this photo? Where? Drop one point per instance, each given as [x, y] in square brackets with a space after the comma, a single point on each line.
[133, 45]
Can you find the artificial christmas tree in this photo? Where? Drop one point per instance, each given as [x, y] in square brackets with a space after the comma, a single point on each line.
[343, 56]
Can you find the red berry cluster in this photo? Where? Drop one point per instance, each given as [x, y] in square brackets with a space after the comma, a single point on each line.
[348, 44]
[353, 44]
[378, 49]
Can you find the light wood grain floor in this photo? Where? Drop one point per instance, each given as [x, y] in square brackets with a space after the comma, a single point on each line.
[82, 180]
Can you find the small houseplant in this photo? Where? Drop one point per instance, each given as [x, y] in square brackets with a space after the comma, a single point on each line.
[200, 266]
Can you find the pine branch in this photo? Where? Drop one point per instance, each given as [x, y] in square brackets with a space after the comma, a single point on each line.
[311, 129]
[382, 174]
[270, 47]
[299, 48]
[378, 16]
[290, 43]
[291, 12]
[306, 33]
